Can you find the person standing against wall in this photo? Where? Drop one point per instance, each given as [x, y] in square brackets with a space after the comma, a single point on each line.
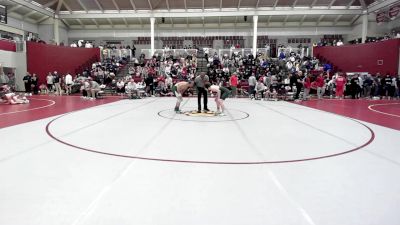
[233, 82]
[320, 83]
[56, 79]
[35, 84]
[27, 83]
[68, 83]
[200, 81]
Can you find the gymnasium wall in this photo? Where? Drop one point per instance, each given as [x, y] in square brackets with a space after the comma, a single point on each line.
[19, 26]
[15, 60]
[43, 58]
[363, 57]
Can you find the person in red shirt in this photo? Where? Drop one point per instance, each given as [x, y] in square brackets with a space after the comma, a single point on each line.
[340, 82]
[320, 83]
[307, 86]
[233, 82]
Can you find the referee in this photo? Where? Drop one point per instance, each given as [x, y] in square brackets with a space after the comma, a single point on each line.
[200, 81]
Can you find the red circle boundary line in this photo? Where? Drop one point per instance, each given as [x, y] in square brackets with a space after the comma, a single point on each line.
[211, 162]
[32, 109]
[370, 107]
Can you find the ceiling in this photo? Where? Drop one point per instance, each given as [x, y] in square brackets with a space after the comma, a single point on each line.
[95, 14]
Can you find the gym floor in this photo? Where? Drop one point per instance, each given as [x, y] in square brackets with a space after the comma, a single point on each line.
[65, 160]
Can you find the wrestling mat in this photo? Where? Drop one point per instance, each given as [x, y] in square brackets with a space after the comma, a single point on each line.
[201, 114]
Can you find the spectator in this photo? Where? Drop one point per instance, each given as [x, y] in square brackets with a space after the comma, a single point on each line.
[92, 89]
[340, 84]
[307, 86]
[68, 83]
[35, 84]
[4, 80]
[49, 81]
[233, 83]
[27, 83]
[320, 84]
[57, 83]
[252, 84]
[120, 87]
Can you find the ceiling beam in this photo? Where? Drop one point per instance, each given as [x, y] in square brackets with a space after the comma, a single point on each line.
[33, 7]
[111, 23]
[355, 18]
[269, 20]
[80, 22]
[12, 9]
[302, 19]
[140, 21]
[95, 22]
[116, 5]
[25, 16]
[133, 5]
[337, 19]
[167, 2]
[185, 3]
[60, 2]
[363, 5]
[258, 2]
[50, 3]
[331, 3]
[313, 3]
[220, 5]
[151, 7]
[276, 3]
[319, 19]
[195, 13]
[350, 4]
[82, 5]
[379, 5]
[126, 22]
[67, 7]
[202, 5]
[294, 3]
[238, 6]
[66, 23]
[285, 20]
[98, 5]
[42, 19]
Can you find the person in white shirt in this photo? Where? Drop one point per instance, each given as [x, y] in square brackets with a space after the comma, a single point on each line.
[260, 89]
[252, 85]
[68, 83]
[49, 81]
[169, 82]
[339, 43]
[131, 88]
[120, 87]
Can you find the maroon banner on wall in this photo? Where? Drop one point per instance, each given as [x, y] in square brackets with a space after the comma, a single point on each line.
[363, 57]
[381, 17]
[8, 45]
[45, 58]
[394, 11]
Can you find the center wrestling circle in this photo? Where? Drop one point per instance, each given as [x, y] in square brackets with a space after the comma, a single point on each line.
[211, 116]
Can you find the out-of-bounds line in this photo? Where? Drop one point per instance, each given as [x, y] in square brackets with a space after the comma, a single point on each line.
[96, 201]
[309, 125]
[102, 120]
[36, 108]
[370, 107]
